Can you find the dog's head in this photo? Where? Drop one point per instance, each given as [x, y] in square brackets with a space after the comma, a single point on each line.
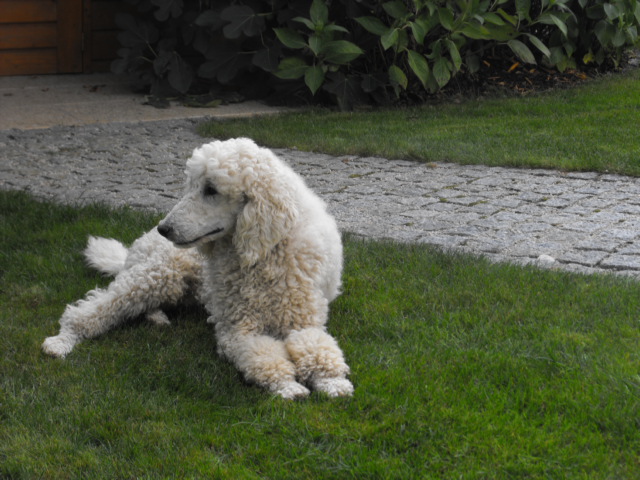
[234, 188]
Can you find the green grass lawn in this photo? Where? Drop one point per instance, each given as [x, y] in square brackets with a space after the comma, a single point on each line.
[593, 127]
[462, 368]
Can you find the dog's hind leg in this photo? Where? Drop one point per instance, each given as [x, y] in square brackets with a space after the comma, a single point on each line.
[263, 360]
[319, 361]
[133, 292]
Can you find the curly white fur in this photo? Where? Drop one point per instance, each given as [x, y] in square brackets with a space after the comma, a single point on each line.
[267, 264]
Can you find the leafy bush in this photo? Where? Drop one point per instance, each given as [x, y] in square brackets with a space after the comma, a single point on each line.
[355, 51]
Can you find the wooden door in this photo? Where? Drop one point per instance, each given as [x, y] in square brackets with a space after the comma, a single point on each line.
[40, 36]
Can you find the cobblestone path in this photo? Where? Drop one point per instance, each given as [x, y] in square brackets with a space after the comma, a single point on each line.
[584, 222]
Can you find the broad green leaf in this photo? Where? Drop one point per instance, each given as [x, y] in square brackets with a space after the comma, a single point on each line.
[372, 82]
[521, 51]
[441, 72]
[209, 18]
[372, 25]
[335, 28]
[180, 74]
[341, 51]
[319, 13]
[492, 18]
[167, 8]
[605, 32]
[419, 66]
[241, 20]
[390, 38]
[454, 53]
[557, 55]
[396, 9]
[308, 23]
[291, 68]
[619, 39]
[313, 78]
[290, 38]
[161, 62]
[346, 89]
[419, 29]
[475, 31]
[549, 18]
[315, 44]
[611, 11]
[509, 18]
[397, 77]
[523, 7]
[267, 58]
[446, 18]
[539, 45]
[472, 62]
[403, 41]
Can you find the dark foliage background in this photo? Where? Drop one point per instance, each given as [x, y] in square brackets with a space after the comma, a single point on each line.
[351, 52]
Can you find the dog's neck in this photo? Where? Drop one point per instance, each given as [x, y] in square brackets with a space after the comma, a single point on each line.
[212, 249]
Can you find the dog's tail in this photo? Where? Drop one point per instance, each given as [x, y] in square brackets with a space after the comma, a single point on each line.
[106, 255]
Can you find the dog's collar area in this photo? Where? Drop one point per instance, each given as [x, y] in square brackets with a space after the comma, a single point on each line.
[193, 242]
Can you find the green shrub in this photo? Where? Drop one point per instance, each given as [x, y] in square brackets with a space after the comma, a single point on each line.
[357, 51]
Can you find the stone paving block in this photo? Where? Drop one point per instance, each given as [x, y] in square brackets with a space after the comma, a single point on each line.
[629, 249]
[589, 258]
[446, 241]
[582, 175]
[483, 208]
[419, 214]
[557, 202]
[583, 227]
[464, 200]
[627, 208]
[621, 234]
[532, 227]
[507, 202]
[607, 217]
[465, 231]
[485, 246]
[598, 243]
[622, 262]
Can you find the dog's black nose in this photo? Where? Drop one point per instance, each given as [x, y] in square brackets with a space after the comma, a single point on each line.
[165, 230]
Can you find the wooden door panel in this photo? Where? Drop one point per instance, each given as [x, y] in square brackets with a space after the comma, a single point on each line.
[69, 36]
[28, 62]
[40, 36]
[25, 36]
[28, 11]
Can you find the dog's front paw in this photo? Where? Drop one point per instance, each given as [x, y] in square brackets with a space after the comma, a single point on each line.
[291, 390]
[334, 387]
[60, 345]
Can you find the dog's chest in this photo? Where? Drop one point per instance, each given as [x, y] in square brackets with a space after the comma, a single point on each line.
[272, 296]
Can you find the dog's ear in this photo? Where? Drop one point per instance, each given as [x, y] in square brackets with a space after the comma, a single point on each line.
[266, 220]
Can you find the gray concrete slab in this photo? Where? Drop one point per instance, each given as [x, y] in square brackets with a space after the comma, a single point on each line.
[43, 101]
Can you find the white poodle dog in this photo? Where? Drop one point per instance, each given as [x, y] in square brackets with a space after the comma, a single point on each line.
[267, 263]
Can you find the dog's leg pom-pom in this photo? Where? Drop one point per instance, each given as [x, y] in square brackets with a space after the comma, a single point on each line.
[292, 390]
[334, 387]
[60, 345]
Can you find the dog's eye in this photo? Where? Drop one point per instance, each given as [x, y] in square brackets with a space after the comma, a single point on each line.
[210, 191]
